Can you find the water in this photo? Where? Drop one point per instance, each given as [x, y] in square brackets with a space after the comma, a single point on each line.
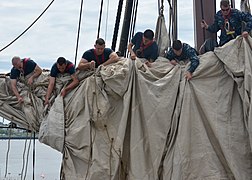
[47, 161]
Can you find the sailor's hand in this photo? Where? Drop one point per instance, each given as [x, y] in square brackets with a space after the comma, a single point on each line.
[245, 34]
[133, 56]
[188, 75]
[30, 80]
[63, 92]
[92, 64]
[173, 62]
[148, 63]
[46, 101]
[20, 99]
[203, 24]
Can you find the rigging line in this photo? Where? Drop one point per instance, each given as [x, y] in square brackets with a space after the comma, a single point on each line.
[100, 16]
[33, 157]
[107, 21]
[117, 23]
[28, 27]
[78, 34]
[7, 154]
[133, 21]
[27, 156]
[23, 160]
[202, 16]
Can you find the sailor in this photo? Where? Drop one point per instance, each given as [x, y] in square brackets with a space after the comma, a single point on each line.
[23, 67]
[183, 53]
[97, 56]
[144, 46]
[229, 21]
[61, 66]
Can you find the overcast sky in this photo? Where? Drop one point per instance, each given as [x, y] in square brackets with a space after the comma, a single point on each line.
[55, 33]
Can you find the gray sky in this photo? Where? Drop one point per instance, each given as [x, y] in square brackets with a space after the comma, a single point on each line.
[55, 33]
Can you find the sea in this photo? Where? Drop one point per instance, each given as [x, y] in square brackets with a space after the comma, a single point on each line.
[16, 161]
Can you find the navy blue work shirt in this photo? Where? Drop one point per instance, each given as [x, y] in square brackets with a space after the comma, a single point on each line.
[187, 53]
[144, 51]
[28, 67]
[70, 68]
[90, 55]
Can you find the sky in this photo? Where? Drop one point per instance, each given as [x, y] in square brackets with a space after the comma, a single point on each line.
[55, 33]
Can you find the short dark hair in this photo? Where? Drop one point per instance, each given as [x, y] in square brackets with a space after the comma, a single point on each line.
[61, 60]
[177, 45]
[100, 41]
[149, 34]
[224, 3]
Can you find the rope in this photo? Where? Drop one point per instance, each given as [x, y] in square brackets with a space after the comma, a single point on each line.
[202, 17]
[27, 157]
[106, 29]
[161, 7]
[28, 27]
[33, 157]
[133, 21]
[78, 34]
[23, 161]
[117, 23]
[7, 154]
[100, 16]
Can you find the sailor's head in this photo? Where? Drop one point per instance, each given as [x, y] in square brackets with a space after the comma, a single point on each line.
[177, 47]
[61, 64]
[148, 36]
[99, 46]
[225, 7]
[16, 62]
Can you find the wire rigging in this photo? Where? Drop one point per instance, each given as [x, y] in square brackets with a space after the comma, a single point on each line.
[78, 33]
[100, 16]
[106, 29]
[27, 27]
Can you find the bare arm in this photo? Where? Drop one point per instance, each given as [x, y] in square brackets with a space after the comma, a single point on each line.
[15, 91]
[85, 65]
[37, 71]
[49, 89]
[71, 86]
[113, 57]
[132, 54]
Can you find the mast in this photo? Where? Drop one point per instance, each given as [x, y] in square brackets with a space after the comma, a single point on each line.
[203, 10]
[126, 27]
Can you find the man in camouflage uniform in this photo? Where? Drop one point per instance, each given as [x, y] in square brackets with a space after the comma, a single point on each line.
[229, 21]
[183, 53]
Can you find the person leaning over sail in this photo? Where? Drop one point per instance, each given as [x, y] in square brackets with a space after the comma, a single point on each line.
[229, 21]
[97, 56]
[61, 66]
[183, 52]
[144, 46]
[23, 67]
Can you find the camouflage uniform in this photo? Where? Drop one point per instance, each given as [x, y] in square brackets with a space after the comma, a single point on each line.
[234, 20]
[188, 53]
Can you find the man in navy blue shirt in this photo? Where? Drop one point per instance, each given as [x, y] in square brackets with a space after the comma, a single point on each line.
[183, 52]
[23, 67]
[143, 46]
[229, 21]
[97, 56]
[61, 66]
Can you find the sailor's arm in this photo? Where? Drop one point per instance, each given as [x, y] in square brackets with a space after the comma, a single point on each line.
[113, 58]
[49, 89]
[85, 65]
[15, 91]
[132, 54]
[71, 86]
[37, 71]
